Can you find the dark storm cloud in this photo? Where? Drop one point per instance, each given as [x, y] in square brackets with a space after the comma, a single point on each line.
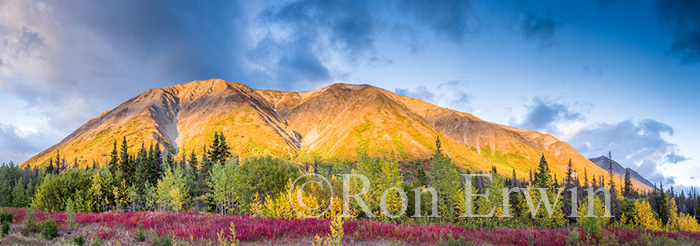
[453, 20]
[540, 29]
[310, 33]
[683, 19]
[73, 59]
[639, 145]
[299, 34]
[544, 113]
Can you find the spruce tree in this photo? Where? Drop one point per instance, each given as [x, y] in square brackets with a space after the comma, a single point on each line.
[49, 168]
[569, 197]
[662, 206]
[224, 149]
[114, 159]
[214, 150]
[543, 177]
[205, 167]
[192, 176]
[219, 150]
[628, 185]
[445, 179]
[614, 201]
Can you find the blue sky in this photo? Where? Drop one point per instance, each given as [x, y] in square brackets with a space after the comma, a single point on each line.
[608, 75]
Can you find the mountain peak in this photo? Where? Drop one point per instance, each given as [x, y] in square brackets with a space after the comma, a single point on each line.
[333, 123]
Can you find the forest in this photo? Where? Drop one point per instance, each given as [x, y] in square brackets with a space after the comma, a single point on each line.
[258, 187]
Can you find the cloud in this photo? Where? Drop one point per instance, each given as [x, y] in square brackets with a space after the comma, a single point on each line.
[421, 92]
[675, 158]
[298, 41]
[71, 60]
[540, 29]
[640, 145]
[545, 114]
[16, 144]
[452, 20]
[449, 94]
[682, 18]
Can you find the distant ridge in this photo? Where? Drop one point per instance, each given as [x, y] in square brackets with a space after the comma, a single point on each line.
[619, 170]
[336, 122]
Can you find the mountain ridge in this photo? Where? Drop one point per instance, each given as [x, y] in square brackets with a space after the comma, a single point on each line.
[336, 122]
[619, 170]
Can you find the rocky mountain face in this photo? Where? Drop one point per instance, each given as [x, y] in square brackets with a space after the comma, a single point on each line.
[619, 172]
[334, 123]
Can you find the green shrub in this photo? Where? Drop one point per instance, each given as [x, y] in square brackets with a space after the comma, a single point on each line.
[79, 240]
[609, 239]
[5, 229]
[49, 229]
[6, 216]
[166, 241]
[140, 236]
[29, 225]
[153, 237]
[457, 242]
[574, 238]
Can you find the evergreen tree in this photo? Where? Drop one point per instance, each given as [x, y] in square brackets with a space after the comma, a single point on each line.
[662, 206]
[125, 163]
[543, 177]
[205, 170]
[158, 162]
[193, 163]
[49, 168]
[614, 200]
[493, 202]
[219, 150]
[224, 149]
[628, 185]
[114, 159]
[169, 162]
[192, 176]
[18, 194]
[569, 184]
[447, 182]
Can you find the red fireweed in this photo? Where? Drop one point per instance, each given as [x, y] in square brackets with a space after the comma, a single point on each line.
[189, 226]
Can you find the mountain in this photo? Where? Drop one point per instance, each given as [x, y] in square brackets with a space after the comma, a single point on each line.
[619, 171]
[333, 123]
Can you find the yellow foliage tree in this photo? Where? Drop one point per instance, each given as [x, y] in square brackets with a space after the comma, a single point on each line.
[592, 224]
[686, 222]
[535, 206]
[644, 216]
[121, 194]
[279, 206]
[335, 238]
[256, 206]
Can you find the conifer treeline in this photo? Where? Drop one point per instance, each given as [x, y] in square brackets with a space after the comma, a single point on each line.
[151, 179]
